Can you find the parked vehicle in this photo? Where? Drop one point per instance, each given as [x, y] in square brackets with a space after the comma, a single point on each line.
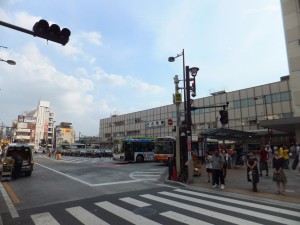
[65, 152]
[25, 150]
[98, 152]
[107, 153]
[90, 152]
[74, 152]
[82, 152]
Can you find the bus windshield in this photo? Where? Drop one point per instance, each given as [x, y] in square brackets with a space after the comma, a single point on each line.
[164, 148]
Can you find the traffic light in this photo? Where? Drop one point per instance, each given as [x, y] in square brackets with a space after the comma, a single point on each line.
[224, 116]
[193, 89]
[52, 33]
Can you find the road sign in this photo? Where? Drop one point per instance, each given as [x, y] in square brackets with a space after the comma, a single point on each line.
[170, 122]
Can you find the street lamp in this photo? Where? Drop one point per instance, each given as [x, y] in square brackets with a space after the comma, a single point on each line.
[10, 62]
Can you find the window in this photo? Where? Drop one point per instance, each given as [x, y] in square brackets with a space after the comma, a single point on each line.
[285, 96]
[276, 97]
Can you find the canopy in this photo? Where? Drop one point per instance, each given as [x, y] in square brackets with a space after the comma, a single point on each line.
[226, 134]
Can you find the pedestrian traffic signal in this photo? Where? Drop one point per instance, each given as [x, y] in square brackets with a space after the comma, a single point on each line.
[52, 33]
[224, 116]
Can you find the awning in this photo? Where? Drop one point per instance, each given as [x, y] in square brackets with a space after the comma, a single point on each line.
[227, 134]
[287, 125]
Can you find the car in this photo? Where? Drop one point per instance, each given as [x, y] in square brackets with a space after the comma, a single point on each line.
[90, 152]
[74, 152]
[108, 153]
[25, 150]
[82, 152]
[98, 152]
[65, 152]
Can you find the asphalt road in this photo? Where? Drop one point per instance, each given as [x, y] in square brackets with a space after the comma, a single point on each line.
[73, 178]
[91, 191]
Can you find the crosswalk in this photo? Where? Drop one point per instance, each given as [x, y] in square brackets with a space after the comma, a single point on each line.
[171, 206]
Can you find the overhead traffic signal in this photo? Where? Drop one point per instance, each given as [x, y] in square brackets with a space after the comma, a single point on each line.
[224, 116]
[52, 33]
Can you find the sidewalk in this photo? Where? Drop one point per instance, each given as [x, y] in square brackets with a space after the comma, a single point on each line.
[236, 182]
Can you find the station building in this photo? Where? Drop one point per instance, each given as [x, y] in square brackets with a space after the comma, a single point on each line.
[271, 111]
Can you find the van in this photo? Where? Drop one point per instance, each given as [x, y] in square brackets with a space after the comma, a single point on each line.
[25, 150]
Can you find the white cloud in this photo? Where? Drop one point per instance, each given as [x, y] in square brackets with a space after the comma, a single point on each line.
[93, 37]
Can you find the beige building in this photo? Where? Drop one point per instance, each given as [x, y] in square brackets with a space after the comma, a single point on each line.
[272, 111]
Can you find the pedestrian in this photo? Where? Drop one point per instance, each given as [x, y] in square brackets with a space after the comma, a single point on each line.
[208, 166]
[286, 157]
[263, 161]
[217, 165]
[17, 165]
[278, 173]
[226, 159]
[253, 170]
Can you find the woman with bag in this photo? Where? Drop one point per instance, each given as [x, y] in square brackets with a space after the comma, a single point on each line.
[278, 173]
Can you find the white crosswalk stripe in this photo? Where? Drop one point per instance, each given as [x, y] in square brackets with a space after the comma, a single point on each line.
[126, 214]
[182, 206]
[146, 175]
[85, 216]
[44, 218]
[183, 219]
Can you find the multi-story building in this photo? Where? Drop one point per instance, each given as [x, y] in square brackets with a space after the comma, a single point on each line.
[64, 133]
[272, 111]
[45, 119]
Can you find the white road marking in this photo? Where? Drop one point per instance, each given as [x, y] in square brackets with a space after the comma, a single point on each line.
[183, 219]
[44, 219]
[233, 209]
[85, 216]
[243, 203]
[86, 183]
[13, 212]
[203, 211]
[126, 214]
[135, 202]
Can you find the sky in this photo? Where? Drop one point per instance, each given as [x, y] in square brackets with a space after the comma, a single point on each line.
[116, 61]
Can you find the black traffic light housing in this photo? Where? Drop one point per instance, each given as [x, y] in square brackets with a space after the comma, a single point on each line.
[224, 116]
[52, 33]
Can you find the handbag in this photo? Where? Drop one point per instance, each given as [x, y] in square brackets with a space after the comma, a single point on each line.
[277, 177]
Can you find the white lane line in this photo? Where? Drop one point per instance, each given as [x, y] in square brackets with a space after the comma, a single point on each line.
[126, 214]
[135, 202]
[183, 219]
[233, 209]
[85, 216]
[44, 219]
[203, 211]
[243, 203]
[86, 183]
[13, 212]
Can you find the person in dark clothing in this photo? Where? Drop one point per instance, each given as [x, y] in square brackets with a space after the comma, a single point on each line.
[17, 165]
[253, 170]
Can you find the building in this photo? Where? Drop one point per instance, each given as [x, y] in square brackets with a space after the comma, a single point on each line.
[64, 133]
[272, 111]
[45, 119]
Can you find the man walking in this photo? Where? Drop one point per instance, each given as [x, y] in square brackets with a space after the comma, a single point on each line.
[217, 165]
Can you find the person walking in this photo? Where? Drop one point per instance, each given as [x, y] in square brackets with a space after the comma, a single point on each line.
[217, 165]
[253, 170]
[278, 172]
[263, 161]
[208, 166]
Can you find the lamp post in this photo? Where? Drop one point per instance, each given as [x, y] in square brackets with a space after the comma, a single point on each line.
[10, 62]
